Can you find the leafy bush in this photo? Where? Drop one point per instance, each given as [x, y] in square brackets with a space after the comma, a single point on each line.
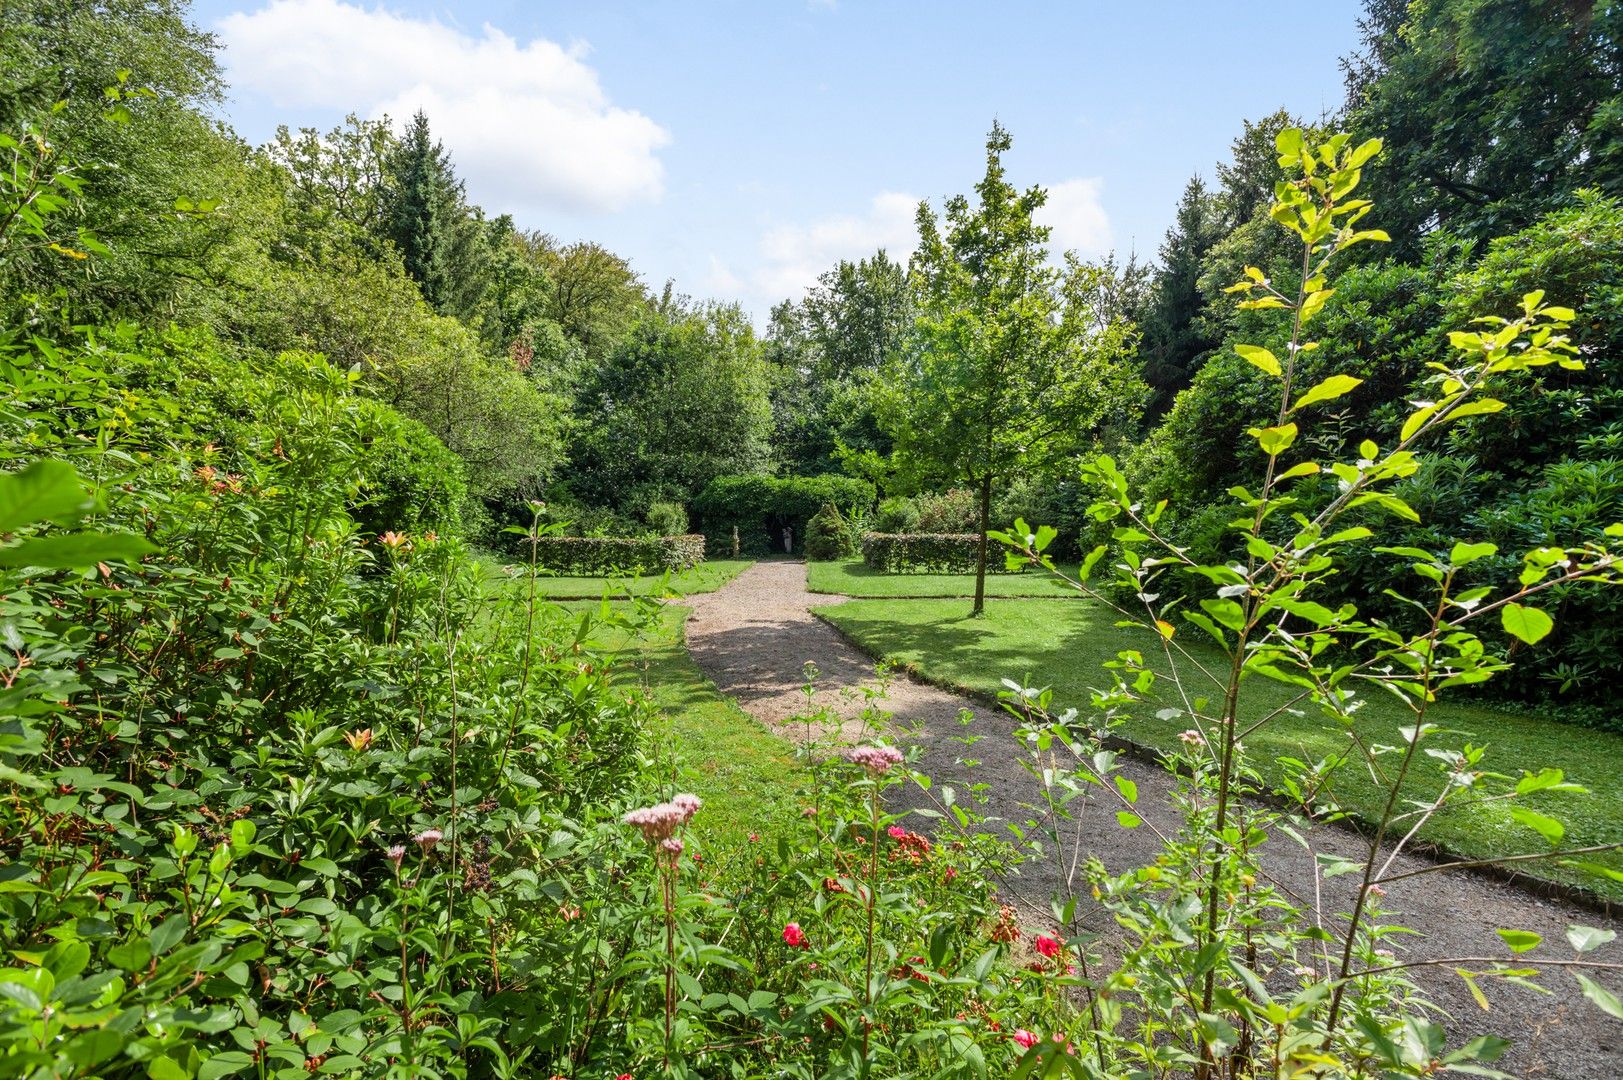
[593, 556]
[926, 553]
[828, 535]
[410, 481]
[954, 511]
[277, 792]
[897, 514]
[666, 518]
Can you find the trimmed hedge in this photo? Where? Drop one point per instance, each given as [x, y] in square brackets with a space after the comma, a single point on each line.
[928, 553]
[594, 556]
[759, 506]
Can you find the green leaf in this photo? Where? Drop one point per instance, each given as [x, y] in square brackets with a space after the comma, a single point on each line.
[1275, 440]
[1128, 789]
[1259, 357]
[1464, 554]
[1328, 390]
[71, 550]
[1589, 938]
[1603, 998]
[45, 491]
[1520, 941]
[1526, 623]
[1546, 826]
[1128, 820]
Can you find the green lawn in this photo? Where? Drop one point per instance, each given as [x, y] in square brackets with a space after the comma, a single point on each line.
[854, 578]
[706, 577]
[745, 774]
[1045, 643]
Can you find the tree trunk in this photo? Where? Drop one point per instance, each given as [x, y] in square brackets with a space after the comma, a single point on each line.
[980, 561]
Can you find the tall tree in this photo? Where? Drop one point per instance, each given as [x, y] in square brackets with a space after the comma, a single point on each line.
[441, 239]
[825, 350]
[1007, 368]
[591, 292]
[681, 400]
[1490, 111]
[1174, 342]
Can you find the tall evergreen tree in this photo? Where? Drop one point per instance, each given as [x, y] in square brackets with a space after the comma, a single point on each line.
[422, 204]
[1174, 342]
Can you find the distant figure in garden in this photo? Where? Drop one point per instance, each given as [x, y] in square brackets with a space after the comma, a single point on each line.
[788, 539]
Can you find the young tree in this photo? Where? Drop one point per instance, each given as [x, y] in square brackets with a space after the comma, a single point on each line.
[1007, 367]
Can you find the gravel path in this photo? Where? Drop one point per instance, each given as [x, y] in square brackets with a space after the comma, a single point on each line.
[754, 636]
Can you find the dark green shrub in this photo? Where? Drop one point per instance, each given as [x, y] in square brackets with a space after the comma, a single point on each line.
[828, 535]
[666, 518]
[760, 507]
[409, 480]
[897, 514]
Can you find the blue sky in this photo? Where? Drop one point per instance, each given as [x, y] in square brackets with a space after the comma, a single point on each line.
[742, 147]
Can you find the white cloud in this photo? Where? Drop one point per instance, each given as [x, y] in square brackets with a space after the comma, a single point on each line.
[528, 125]
[791, 256]
[1076, 214]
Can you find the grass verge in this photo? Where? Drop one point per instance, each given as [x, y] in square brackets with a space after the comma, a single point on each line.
[746, 775]
[855, 578]
[1063, 645]
[706, 577]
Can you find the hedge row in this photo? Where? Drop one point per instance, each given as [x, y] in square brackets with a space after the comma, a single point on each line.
[927, 553]
[760, 506]
[595, 555]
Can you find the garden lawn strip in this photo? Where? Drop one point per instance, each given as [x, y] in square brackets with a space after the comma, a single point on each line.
[746, 774]
[753, 636]
[705, 577]
[1062, 646]
[856, 578]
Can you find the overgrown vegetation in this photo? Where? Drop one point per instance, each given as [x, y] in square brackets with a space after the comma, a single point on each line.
[297, 781]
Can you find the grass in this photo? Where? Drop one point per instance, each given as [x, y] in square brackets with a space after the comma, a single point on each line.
[1062, 645]
[855, 578]
[746, 775]
[706, 577]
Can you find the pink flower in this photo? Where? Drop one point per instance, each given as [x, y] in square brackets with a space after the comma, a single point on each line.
[794, 938]
[428, 838]
[755, 838]
[688, 804]
[896, 832]
[1024, 1038]
[396, 853]
[1046, 945]
[672, 845]
[1192, 738]
[876, 759]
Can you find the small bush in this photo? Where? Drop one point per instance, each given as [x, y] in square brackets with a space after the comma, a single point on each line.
[828, 535]
[591, 556]
[955, 511]
[926, 553]
[666, 518]
[897, 514]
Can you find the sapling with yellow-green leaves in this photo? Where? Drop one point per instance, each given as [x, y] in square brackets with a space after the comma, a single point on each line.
[1223, 973]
